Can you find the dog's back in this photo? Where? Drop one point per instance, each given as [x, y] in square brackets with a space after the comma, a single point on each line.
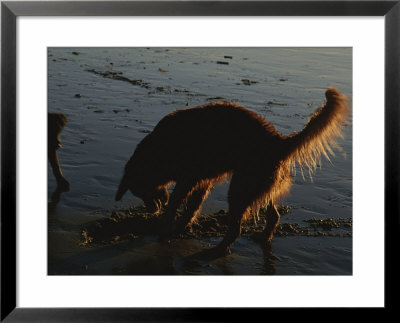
[208, 140]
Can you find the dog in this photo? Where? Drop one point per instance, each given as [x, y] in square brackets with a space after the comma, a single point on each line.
[196, 148]
[55, 124]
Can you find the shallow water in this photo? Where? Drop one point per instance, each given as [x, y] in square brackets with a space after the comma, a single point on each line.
[111, 116]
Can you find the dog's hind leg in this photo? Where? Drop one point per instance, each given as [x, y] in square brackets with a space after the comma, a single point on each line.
[246, 187]
[273, 218]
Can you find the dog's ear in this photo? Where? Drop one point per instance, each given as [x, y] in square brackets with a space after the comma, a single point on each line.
[123, 187]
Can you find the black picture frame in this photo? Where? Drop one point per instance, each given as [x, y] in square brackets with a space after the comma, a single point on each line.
[10, 10]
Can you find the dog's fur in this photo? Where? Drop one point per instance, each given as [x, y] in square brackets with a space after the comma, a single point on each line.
[197, 148]
[55, 124]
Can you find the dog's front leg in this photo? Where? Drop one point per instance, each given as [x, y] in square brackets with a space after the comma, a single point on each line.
[178, 196]
[194, 201]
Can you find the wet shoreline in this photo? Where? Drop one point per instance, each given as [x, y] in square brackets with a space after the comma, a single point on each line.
[114, 97]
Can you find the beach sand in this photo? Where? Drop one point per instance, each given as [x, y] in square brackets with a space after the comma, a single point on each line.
[113, 97]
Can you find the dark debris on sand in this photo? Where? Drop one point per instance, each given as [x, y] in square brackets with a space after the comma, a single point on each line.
[136, 222]
[118, 76]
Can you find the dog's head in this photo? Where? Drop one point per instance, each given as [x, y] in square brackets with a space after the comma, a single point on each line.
[154, 196]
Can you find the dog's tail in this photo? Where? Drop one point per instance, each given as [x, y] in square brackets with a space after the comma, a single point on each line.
[320, 135]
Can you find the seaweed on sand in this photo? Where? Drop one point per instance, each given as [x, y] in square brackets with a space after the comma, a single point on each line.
[136, 221]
